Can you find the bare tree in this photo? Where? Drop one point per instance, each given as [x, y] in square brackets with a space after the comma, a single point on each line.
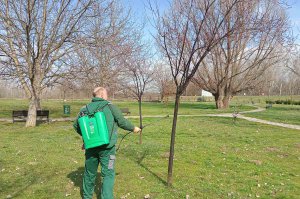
[293, 60]
[187, 32]
[295, 68]
[164, 82]
[34, 37]
[65, 86]
[276, 81]
[236, 63]
[136, 77]
[109, 38]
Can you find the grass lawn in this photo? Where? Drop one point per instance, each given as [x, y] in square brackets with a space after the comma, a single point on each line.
[149, 108]
[289, 114]
[213, 159]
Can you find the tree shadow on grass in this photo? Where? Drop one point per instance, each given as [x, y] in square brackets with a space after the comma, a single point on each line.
[77, 176]
[20, 185]
[139, 162]
[20, 189]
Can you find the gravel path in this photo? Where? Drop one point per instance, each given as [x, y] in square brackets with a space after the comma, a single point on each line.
[251, 119]
[238, 115]
[290, 126]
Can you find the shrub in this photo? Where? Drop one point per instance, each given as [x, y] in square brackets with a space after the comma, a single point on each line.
[201, 99]
[286, 102]
[269, 102]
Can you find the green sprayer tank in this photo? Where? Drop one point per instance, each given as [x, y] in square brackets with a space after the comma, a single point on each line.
[94, 130]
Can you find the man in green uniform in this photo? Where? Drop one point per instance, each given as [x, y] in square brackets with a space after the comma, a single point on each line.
[103, 155]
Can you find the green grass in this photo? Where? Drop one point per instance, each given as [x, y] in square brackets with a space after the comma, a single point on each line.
[148, 108]
[289, 114]
[213, 159]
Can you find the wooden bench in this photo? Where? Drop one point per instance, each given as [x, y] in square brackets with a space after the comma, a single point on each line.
[125, 110]
[21, 115]
[268, 106]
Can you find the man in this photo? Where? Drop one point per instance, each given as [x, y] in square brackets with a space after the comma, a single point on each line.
[105, 155]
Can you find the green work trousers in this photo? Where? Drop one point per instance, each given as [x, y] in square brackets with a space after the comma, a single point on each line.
[106, 158]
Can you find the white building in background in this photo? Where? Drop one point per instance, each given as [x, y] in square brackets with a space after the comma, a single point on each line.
[206, 93]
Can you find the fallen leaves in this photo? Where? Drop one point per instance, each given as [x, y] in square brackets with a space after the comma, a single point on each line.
[125, 196]
[32, 163]
[257, 162]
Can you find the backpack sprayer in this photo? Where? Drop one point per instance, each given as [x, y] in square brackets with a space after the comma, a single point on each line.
[93, 128]
[159, 119]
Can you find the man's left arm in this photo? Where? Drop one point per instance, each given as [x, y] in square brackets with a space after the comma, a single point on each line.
[76, 126]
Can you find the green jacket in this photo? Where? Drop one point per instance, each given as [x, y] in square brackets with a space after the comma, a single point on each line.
[113, 115]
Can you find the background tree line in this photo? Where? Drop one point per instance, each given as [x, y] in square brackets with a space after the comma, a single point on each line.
[52, 49]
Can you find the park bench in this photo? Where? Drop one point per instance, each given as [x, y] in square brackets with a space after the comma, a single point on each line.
[21, 115]
[268, 106]
[125, 110]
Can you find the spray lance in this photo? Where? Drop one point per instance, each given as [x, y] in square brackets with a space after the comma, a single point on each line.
[151, 123]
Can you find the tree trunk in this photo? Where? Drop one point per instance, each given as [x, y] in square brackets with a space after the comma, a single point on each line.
[280, 89]
[219, 101]
[141, 119]
[64, 95]
[31, 118]
[172, 144]
[226, 101]
[34, 105]
[161, 97]
[38, 104]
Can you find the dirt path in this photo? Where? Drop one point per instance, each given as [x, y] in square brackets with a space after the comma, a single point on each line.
[291, 126]
[258, 109]
[251, 119]
[238, 115]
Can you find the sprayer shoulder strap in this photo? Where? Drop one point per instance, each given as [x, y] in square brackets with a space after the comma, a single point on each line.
[108, 104]
[100, 109]
[96, 110]
[113, 121]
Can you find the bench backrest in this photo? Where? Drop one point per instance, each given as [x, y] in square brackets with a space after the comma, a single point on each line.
[20, 113]
[125, 110]
[25, 113]
[42, 113]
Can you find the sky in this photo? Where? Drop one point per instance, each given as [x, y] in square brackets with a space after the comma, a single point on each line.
[294, 14]
[139, 10]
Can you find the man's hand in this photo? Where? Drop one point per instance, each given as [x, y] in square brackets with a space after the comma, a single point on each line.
[136, 129]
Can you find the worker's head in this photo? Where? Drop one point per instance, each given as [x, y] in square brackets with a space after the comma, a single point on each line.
[100, 92]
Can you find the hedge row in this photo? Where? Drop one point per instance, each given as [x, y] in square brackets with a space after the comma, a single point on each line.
[287, 102]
